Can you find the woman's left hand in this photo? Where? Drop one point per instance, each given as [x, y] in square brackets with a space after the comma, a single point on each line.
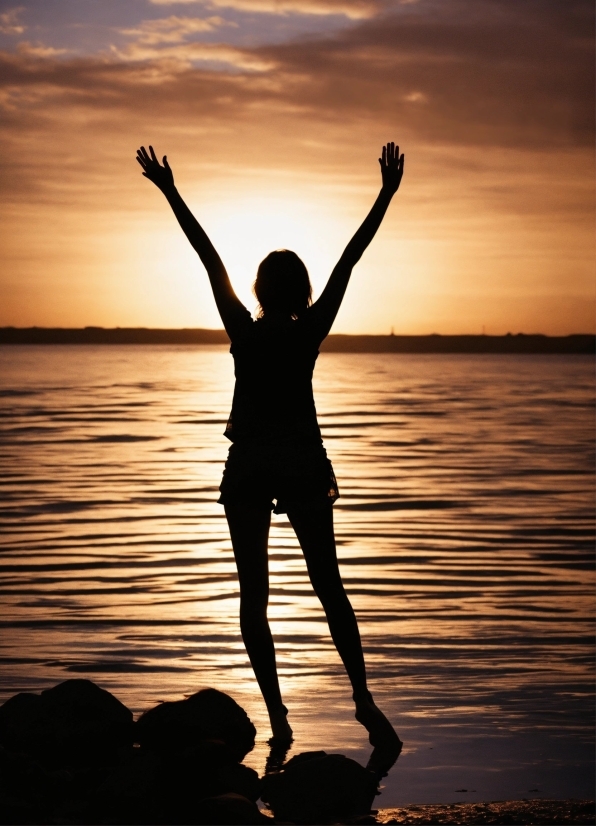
[392, 167]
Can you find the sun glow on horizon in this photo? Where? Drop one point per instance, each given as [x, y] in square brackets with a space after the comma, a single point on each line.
[493, 224]
[249, 228]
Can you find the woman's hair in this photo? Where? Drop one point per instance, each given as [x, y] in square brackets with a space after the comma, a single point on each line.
[282, 284]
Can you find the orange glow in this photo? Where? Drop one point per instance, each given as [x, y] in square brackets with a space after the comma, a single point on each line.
[275, 144]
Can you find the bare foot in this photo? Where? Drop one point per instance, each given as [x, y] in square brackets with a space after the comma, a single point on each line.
[281, 729]
[381, 733]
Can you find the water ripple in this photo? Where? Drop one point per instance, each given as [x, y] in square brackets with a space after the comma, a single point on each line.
[465, 534]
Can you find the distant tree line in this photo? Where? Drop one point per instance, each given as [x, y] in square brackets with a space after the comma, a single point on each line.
[435, 343]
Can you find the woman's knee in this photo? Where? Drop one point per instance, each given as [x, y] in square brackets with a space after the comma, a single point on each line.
[330, 591]
[254, 607]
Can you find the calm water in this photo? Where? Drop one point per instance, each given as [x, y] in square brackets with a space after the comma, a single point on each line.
[465, 532]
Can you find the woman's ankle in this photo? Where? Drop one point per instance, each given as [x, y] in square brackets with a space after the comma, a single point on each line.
[362, 696]
[277, 711]
[280, 728]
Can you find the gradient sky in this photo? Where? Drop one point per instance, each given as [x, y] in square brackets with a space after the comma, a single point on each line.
[272, 114]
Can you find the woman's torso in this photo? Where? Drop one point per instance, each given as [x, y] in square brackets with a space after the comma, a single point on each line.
[273, 397]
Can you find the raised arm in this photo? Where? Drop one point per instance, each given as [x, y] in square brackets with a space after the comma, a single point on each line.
[231, 309]
[326, 307]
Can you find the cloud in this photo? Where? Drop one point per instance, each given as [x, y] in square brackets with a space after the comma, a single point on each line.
[491, 99]
[167, 63]
[468, 75]
[27, 49]
[487, 72]
[493, 72]
[172, 29]
[9, 22]
[353, 9]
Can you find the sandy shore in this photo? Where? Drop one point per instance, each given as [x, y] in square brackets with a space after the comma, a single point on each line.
[508, 811]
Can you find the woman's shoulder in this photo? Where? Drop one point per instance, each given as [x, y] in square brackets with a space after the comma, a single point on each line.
[243, 324]
[310, 324]
[242, 333]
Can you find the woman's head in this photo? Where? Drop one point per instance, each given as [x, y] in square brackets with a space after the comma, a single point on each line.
[282, 286]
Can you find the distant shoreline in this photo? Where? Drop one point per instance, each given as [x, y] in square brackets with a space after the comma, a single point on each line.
[577, 344]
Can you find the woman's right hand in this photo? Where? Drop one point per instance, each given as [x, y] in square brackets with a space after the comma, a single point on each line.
[161, 176]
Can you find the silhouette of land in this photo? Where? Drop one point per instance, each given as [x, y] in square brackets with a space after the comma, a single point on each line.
[336, 343]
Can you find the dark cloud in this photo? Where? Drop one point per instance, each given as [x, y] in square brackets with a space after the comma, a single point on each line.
[503, 73]
[516, 74]
[499, 72]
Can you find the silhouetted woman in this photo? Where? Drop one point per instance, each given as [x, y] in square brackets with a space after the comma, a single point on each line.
[277, 454]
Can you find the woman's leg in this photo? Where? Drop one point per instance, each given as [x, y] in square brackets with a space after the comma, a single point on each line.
[249, 530]
[314, 529]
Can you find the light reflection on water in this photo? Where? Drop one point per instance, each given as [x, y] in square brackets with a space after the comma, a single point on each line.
[464, 530]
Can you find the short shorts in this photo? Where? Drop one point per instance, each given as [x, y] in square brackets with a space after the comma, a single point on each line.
[280, 475]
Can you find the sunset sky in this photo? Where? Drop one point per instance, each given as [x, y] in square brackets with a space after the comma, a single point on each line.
[272, 114]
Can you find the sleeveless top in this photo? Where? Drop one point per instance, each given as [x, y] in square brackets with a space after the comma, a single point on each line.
[273, 397]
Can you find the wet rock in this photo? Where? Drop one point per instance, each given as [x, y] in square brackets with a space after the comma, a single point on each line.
[208, 769]
[158, 787]
[229, 809]
[132, 792]
[72, 760]
[20, 812]
[207, 715]
[75, 723]
[20, 720]
[241, 780]
[536, 812]
[316, 787]
[23, 778]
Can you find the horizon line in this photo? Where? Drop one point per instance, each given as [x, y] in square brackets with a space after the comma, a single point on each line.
[221, 330]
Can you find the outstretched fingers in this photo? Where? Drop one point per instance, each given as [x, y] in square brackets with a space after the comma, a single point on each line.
[143, 157]
[392, 165]
[160, 175]
[390, 157]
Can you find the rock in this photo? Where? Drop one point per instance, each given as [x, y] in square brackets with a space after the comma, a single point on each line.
[228, 809]
[23, 777]
[159, 787]
[16, 812]
[207, 715]
[75, 723]
[132, 792]
[20, 720]
[316, 787]
[67, 756]
[205, 770]
[241, 780]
